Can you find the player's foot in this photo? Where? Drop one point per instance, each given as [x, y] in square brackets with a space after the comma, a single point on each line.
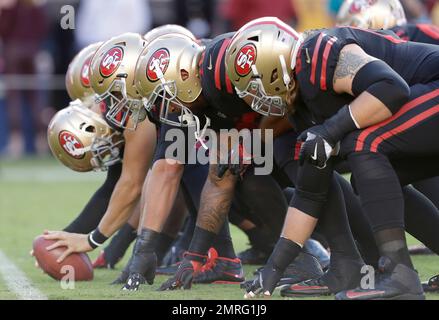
[220, 270]
[253, 256]
[419, 249]
[167, 270]
[122, 278]
[304, 267]
[394, 282]
[317, 250]
[307, 288]
[432, 285]
[101, 263]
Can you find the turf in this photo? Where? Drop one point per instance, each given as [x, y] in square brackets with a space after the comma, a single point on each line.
[39, 194]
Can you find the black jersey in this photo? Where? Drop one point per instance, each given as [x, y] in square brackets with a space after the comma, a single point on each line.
[226, 109]
[423, 33]
[318, 57]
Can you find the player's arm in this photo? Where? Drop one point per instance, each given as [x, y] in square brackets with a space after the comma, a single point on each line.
[378, 89]
[139, 148]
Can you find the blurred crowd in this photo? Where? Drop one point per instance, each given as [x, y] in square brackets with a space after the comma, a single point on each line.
[35, 49]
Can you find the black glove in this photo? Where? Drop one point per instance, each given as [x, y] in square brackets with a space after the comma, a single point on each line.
[264, 282]
[144, 260]
[148, 261]
[319, 141]
[238, 159]
[183, 276]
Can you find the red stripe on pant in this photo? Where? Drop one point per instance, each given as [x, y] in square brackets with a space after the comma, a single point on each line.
[403, 127]
[405, 108]
[297, 150]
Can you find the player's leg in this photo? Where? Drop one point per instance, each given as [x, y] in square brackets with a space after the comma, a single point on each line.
[408, 133]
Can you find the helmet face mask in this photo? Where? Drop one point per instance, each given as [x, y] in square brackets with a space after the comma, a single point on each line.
[165, 97]
[261, 102]
[106, 151]
[121, 107]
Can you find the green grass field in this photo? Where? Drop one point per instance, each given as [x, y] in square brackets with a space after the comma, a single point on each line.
[39, 194]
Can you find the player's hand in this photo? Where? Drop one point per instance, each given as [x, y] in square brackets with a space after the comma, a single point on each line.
[183, 277]
[264, 283]
[142, 270]
[317, 146]
[74, 242]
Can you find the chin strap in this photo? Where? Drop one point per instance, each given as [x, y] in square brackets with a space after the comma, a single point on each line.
[199, 136]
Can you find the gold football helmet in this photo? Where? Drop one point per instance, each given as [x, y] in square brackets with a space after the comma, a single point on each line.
[112, 78]
[82, 140]
[167, 76]
[259, 61]
[371, 14]
[77, 76]
[165, 30]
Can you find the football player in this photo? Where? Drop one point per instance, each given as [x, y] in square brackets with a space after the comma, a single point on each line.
[389, 14]
[107, 79]
[352, 67]
[216, 98]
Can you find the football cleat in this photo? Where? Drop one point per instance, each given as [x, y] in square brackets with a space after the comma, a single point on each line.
[419, 249]
[253, 256]
[167, 270]
[432, 285]
[393, 282]
[220, 270]
[343, 274]
[304, 267]
[307, 288]
[102, 263]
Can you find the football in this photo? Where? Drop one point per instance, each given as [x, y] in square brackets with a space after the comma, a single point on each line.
[78, 265]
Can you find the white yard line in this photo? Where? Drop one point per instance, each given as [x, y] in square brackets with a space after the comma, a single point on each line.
[17, 281]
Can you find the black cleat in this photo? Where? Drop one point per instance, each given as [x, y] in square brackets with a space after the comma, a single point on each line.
[168, 270]
[220, 270]
[394, 282]
[304, 267]
[134, 281]
[432, 285]
[419, 249]
[253, 256]
[307, 288]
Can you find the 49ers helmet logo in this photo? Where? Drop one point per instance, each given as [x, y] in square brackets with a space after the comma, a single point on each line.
[71, 144]
[358, 5]
[111, 61]
[84, 76]
[160, 59]
[244, 60]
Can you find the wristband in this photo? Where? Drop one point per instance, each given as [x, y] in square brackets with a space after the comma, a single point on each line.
[96, 238]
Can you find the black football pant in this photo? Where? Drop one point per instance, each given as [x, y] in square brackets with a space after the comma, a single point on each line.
[409, 140]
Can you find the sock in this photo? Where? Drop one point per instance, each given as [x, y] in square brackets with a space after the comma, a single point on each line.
[392, 244]
[164, 243]
[119, 244]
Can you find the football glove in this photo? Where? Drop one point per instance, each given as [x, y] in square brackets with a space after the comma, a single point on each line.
[183, 277]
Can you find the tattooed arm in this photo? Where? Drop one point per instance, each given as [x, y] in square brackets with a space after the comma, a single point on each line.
[379, 90]
[216, 199]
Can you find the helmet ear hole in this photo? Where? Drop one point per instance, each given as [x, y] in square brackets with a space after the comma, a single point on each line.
[184, 74]
[254, 38]
[89, 128]
[274, 75]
